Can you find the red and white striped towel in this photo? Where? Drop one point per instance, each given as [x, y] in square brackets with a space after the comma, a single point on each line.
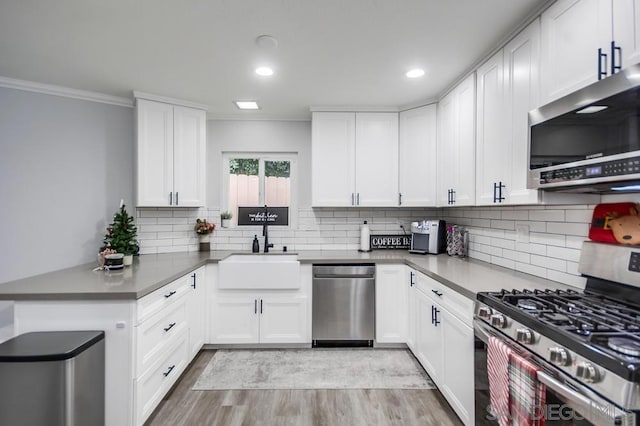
[526, 393]
[498, 373]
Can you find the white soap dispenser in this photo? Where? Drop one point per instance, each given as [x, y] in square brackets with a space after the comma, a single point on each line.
[365, 242]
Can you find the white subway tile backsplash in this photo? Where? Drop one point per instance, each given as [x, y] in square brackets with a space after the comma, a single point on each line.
[579, 229]
[549, 262]
[564, 253]
[556, 233]
[155, 228]
[503, 224]
[547, 215]
[548, 239]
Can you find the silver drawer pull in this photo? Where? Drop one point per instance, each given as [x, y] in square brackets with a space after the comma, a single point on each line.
[170, 326]
[170, 294]
[437, 293]
[166, 373]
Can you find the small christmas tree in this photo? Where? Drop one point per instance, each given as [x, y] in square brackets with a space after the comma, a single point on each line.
[121, 234]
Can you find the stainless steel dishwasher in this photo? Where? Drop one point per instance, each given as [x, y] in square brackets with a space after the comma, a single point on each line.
[344, 305]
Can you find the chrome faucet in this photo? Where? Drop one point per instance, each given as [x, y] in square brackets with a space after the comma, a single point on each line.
[265, 231]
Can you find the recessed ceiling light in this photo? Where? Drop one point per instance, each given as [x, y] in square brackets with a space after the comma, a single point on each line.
[264, 71]
[591, 109]
[415, 73]
[246, 104]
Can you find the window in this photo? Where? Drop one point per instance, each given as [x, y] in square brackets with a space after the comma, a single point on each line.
[259, 179]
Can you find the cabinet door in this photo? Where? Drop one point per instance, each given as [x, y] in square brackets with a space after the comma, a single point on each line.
[154, 173]
[465, 156]
[377, 159]
[391, 304]
[234, 320]
[189, 158]
[492, 165]
[417, 162]
[196, 311]
[447, 138]
[429, 337]
[458, 365]
[572, 33]
[521, 65]
[626, 30]
[411, 310]
[333, 159]
[283, 319]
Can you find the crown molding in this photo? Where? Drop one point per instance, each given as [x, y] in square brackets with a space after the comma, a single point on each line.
[66, 92]
[168, 100]
[419, 104]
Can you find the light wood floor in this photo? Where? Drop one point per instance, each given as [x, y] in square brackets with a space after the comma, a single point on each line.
[183, 406]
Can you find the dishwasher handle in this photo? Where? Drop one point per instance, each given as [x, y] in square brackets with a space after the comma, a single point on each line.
[343, 276]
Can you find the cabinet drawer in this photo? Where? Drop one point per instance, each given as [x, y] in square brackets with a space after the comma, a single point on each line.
[158, 332]
[456, 303]
[162, 297]
[151, 387]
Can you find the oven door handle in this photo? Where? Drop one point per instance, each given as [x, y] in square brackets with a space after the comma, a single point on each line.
[589, 409]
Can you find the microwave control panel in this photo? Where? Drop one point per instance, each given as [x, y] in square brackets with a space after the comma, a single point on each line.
[626, 166]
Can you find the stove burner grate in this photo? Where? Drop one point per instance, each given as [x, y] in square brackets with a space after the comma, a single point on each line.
[528, 304]
[625, 346]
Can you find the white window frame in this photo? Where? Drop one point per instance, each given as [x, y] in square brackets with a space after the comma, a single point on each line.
[262, 157]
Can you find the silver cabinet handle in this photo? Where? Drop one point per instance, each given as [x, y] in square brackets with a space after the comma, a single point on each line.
[168, 295]
[176, 198]
[352, 198]
[169, 327]
[399, 198]
[171, 198]
[358, 199]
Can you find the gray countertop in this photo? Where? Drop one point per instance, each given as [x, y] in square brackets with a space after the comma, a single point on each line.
[150, 272]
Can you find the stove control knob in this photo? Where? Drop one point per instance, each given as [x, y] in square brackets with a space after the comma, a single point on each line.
[559, 356]
[498, 320]
[587, 372]
[524, 335]
[484, 313]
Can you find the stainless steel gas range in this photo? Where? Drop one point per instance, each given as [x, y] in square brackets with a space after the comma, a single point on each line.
[586, 344]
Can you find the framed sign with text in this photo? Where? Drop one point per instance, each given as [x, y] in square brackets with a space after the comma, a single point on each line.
[390, 242]
[273, 216]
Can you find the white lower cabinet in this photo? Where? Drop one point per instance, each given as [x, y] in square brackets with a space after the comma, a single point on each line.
[444, 342]
[267, 316]
[197, 310]
[259, 318]
[412, 323]
[392, 291]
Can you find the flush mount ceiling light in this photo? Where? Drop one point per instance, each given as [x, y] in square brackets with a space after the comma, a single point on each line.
[591, 109]
[415, 73]
[266, 41]
[264, 71]
[246, 104]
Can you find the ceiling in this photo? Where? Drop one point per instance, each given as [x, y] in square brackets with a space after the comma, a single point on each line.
[344, 53]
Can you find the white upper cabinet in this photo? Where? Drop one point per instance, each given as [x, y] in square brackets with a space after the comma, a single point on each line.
[456, 146]
[171, 143]
[417, 162]
[491, 154]
[626, 30]
[586, 40]
[333, 155]
[354, 159]
[507, 90]
[377, 159]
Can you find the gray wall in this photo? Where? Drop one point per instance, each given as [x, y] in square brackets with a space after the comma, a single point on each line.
[64, 166]
[258, 136]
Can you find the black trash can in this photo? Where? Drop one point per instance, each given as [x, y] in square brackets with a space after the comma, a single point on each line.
[52, 378]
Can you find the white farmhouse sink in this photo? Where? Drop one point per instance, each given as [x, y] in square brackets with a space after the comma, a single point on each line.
[259, 272]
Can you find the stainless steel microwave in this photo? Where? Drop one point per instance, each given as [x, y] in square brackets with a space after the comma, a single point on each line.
[589, 141]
